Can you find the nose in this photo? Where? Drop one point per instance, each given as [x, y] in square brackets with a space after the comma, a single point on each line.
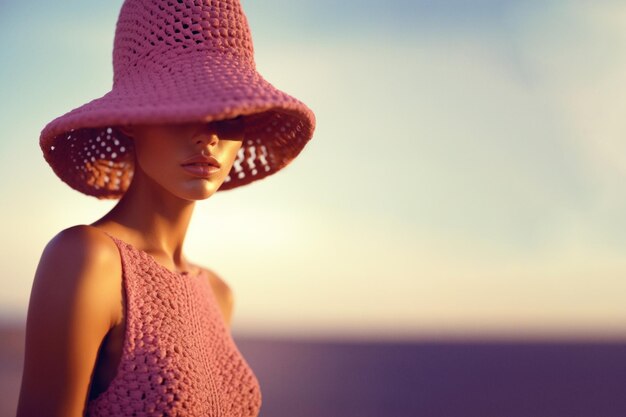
[206, 134]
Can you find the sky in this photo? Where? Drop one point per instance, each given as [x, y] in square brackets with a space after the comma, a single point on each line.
[465, 177]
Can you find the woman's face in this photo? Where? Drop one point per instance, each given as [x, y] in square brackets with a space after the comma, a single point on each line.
[161, 149]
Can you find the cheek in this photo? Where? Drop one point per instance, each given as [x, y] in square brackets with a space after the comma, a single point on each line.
[230, 151]
[155, 156]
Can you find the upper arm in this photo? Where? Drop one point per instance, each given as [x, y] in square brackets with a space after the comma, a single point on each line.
[69, 314]
[224, 295]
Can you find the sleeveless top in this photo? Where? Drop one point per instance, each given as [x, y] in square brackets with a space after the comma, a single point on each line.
[178, 355]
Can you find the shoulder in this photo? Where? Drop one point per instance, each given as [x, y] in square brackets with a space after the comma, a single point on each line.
[223, 293]
[80, 261]
[81, 243]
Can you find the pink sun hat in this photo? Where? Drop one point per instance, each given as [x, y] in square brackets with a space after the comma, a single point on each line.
[177, 61]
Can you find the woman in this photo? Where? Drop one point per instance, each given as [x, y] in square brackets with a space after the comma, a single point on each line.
[120, 323]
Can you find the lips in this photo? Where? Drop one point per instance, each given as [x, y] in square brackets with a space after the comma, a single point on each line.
[202, 160]
[201, 171]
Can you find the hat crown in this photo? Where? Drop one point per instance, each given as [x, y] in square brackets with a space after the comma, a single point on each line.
[150, 36]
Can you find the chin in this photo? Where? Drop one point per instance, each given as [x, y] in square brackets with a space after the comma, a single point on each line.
[198, 193]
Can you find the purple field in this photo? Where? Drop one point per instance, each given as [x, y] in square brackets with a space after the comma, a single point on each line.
[426, 378]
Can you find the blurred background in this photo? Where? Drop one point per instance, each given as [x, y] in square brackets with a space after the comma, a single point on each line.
[452, 242]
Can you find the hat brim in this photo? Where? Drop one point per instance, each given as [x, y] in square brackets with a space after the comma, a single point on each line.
[278, 126]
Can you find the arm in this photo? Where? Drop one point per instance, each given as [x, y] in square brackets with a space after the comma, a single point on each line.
[69, 314]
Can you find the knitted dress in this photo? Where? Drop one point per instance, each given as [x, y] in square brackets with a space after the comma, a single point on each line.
[178, 357]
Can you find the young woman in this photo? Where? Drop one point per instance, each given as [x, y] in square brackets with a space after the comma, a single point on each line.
[120, 322]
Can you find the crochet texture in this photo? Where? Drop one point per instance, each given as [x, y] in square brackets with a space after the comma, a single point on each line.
[173, 62]
[179, 358]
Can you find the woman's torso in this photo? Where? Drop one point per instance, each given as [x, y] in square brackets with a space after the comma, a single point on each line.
[187, 346]
[110, 352]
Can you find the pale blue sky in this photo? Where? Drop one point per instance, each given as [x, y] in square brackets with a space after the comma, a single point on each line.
[465, 175]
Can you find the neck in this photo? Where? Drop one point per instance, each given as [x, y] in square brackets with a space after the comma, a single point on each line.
[156, 218]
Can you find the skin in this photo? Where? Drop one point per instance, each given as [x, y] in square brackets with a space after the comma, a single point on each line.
[75, 322]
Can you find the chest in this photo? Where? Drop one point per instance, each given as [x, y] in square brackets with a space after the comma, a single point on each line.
[111, 350]
[171, 350]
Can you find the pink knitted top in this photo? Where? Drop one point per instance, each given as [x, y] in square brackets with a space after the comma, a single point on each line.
[179, 358]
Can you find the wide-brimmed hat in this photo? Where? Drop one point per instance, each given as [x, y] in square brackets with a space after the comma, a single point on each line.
[177, 61]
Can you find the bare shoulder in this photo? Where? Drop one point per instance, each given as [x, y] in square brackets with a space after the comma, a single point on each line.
[69, 313]
[216, 281]
[222, 291]
[78, 257]
[76, 244]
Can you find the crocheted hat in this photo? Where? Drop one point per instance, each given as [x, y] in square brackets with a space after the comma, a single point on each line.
[177, 61]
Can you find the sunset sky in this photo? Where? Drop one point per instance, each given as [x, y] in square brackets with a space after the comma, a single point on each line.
[466, 175]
